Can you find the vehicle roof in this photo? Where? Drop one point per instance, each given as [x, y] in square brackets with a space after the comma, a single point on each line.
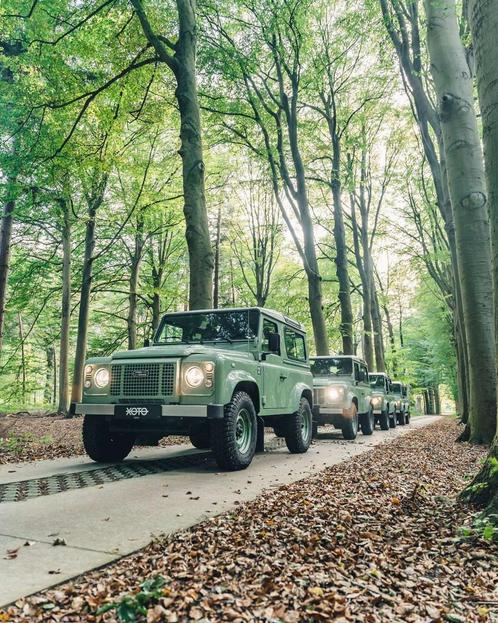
[268, 312]
[377, 374]
[354, 357]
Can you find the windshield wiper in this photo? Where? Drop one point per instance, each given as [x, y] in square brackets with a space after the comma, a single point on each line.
[221, 338]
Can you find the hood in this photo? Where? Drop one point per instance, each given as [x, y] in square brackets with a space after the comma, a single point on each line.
[326, 381]
[172, 350]
[182, 350]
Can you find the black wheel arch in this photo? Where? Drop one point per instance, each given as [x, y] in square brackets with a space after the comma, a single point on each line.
[252, 390]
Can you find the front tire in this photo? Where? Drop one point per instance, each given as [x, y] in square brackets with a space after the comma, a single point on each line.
[384, 420]
[350, 425]
[393, 420]
[299, 430]
[102, 445]
[233, 439]
[200, 436]
[402, 418]
[368, 422]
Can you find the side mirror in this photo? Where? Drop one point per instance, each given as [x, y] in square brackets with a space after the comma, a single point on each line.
[146, 342]
[274, 342]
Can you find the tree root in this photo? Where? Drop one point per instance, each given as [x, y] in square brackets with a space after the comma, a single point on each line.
[483, 490]
[465, 434]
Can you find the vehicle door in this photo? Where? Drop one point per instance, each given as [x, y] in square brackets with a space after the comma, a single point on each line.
[274, 387]
[364, 389]
[295, 363]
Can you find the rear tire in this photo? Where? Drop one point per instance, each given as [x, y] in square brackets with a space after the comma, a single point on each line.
[350, 426]
[368, 422]
[407, 417]
[200, 436]
[299, 429]
[402, 418]
[233, 439]
[384, 420]
[102, 445]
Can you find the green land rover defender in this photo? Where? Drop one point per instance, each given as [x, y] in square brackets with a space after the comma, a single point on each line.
[217, 376]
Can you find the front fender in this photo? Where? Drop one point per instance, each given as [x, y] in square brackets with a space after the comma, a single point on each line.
[296, 394]
[233, 378]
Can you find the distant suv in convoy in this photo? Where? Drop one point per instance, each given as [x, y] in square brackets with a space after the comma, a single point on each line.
[218, 376]
[342, 395]
[383, 400]
[401, 402]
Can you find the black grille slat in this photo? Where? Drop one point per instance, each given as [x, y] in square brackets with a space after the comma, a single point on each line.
[141, 379]
[116, 374]
[168, 379]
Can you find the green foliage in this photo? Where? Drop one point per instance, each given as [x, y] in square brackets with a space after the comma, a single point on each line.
[129, 607]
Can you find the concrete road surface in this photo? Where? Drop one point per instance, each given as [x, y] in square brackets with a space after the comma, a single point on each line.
[100, 513]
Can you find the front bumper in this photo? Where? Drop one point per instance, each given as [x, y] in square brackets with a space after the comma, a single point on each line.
[212, 412]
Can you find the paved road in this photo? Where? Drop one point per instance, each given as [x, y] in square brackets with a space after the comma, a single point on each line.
[103, 513]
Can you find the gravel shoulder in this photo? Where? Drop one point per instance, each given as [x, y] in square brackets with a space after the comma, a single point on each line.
[376, 538]
[26, 437]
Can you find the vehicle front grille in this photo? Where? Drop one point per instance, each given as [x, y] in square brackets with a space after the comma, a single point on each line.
[319, 396]
[143, 379]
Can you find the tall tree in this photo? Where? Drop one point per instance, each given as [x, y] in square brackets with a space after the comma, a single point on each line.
[180, 57]
[483, 19]
[467, 187]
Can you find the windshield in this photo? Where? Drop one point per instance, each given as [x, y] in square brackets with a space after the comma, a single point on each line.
[333, 366]
[212, 326]
[397, 388]
[376, 380]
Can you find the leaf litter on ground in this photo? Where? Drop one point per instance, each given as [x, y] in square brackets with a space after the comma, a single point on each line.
[373, 539]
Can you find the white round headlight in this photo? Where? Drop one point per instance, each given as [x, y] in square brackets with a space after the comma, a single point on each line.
[102, 377]
[334, 393]
[194, 376]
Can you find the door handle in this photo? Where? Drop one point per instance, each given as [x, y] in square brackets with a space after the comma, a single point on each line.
[283, 377]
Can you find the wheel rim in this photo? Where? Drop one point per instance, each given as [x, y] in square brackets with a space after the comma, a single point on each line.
[305, 425]
[243, 430]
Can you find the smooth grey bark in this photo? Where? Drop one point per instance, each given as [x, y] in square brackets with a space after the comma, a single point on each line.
[483, 20]
[22, 370]
[94, 201]
[378, 333]
[399, 18]
[180, 57]
[464, 166]
[136, 261]
[63, 400]
[5, 243]
[217, 243]
[368, 349]
[341, 253]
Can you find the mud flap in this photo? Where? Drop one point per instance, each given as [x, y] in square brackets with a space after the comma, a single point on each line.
[260, 438]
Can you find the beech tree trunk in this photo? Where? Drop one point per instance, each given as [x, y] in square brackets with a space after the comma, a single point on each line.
[197, 229]
[483, 20]
[5, 237]
[94, 202]
[136, 260]
[341, 254]
[378, 334]
[180, 57]
[216, 285]
[464, 163]
[63, 402]
[407, 46]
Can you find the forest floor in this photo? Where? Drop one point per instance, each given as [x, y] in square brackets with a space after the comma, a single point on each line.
[34, 437]
[380, 537]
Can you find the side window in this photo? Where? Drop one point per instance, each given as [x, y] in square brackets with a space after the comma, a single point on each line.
[268, 327]
[294, 345]
[356, 371]
[365, 374]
